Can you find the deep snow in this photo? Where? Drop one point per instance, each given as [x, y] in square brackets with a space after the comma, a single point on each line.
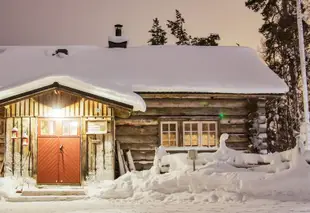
[121, 72]
[221, 183]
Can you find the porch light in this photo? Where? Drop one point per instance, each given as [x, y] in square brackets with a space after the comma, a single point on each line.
[56, 113]
[14, 133]
[25, 139]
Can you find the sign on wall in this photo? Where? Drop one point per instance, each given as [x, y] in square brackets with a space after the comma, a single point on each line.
[97, 127]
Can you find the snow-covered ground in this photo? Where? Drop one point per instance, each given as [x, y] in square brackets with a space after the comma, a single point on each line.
[225, 181]
[100, 206]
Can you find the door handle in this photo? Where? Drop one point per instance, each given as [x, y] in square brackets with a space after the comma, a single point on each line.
[61, 147]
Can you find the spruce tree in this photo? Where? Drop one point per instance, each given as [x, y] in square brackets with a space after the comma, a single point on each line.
[212, 40]
[281, 53]
[177, 29]
[158, 34]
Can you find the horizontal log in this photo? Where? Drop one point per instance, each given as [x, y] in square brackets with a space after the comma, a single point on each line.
[232, 128]
[195, 103]
[136, 122]
[137, 130]
[233, 120]
[203, 95]
[206, 111]
[138, 146]
[146, 155]
[143, 166]
[138, 139]
[237, 138]
[238, 146]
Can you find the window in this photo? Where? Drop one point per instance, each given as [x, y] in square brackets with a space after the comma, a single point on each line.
[48, 127]
[69, 128]
[169, 134]
[200, 133]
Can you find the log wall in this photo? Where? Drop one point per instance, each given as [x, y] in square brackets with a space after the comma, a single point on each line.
[141, 132]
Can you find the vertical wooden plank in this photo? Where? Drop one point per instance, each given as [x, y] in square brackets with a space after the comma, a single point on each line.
[110, 112]
[41, 107]
[76, 109]
[84, 150]
[17, 109]
[81, 107]
[34, 139]
[72, 110]
[8, 111]
[91, 108]
[17, 148]
[22, 108]
[13, 109]
[104, 112]
[25, 150]
[86, 113]
[8, 148]
[36, 108]
[95, 107]
[27, 107]
[31, 107]
[100, 109]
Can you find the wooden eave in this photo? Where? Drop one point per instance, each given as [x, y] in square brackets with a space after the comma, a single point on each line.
[56, 86]
[194, 95]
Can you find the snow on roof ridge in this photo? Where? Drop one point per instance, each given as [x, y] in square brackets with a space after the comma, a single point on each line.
[168, 68]
[131, 99]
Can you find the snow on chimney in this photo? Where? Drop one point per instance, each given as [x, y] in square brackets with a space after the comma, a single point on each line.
[118, 41]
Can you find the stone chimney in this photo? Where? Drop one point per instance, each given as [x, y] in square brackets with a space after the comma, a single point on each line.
[118, 41]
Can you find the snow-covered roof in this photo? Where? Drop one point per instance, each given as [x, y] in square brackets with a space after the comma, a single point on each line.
[117, 73]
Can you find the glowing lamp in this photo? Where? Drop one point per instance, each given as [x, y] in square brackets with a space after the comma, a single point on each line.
[14, 133]
[25, 139]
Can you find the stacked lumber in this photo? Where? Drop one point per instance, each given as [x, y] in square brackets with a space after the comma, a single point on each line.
[125, 163]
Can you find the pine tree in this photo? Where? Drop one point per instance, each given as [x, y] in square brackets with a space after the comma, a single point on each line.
[281, 53]
[158, 34]
[177, 29]
[212, 40]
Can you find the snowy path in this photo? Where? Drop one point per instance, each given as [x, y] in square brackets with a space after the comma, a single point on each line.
[121, 207]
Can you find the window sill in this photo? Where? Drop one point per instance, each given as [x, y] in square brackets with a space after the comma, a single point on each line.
[191, 148]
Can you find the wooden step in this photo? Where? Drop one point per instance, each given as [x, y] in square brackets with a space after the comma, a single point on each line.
[44, 198]
[54, 192]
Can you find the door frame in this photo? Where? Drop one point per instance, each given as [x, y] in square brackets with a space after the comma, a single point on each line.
[80, 144]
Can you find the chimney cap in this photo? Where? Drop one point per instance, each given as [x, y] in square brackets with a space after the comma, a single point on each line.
[118, 25]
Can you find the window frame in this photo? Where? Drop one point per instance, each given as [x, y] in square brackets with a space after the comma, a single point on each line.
[200, 133]
[176, 132]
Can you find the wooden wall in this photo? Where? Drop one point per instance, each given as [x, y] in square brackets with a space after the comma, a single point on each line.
[141, 132]
[70, 106]
[22, 161]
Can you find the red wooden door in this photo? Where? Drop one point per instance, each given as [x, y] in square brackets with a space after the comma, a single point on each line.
[59, 151]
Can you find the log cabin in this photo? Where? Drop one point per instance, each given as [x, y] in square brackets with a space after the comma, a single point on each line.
[64, 109]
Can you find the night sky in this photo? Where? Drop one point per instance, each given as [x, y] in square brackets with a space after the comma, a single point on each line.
[90, 22]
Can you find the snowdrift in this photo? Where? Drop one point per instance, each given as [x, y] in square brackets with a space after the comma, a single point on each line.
[217, 179]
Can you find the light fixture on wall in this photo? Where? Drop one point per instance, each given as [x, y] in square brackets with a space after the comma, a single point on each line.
[56, 113]
[14, 133]
[25, 139]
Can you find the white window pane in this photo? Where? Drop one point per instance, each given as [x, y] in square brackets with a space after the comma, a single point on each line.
[195, 127]
[73, 128]
[187, 139]
[205, 127]
[212, 139]
[172, 127]
[165, 127]
[205, 138]
[195, 139]
[212, 127]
